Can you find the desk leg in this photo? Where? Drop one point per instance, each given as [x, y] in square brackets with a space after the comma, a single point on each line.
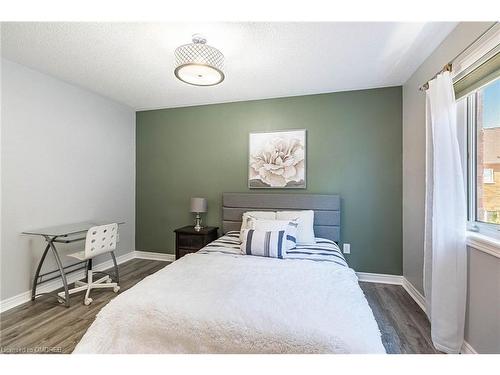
[61, 270]
[116, 268]
[37, 273]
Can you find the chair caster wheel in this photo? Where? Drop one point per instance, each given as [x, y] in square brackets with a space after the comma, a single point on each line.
[108, 281]
[116, 289]
[60, 301]
[87, 301]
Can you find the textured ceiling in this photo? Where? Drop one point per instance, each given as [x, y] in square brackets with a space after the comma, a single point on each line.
[133, 63]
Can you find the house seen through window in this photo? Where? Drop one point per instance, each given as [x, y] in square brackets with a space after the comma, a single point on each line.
[484, 153]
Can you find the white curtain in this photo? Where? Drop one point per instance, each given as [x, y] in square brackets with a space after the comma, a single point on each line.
[445, 255]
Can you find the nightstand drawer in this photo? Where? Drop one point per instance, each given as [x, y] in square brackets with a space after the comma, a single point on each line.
[191, 242]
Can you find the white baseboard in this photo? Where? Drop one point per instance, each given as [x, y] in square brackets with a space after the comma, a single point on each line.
[414, 293]
[55, 284]
[394, 280]
[154, 256]
[467, 349]
[380, 278]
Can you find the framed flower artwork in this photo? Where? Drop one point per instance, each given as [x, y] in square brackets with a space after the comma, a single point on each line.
[277, 159]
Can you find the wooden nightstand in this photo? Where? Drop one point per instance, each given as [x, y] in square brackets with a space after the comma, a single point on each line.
[187, 240]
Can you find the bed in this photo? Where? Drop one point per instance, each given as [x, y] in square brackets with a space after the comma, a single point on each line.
[219, 301]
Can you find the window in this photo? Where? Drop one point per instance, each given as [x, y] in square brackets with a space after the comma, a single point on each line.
[479, 114]
[488, 176]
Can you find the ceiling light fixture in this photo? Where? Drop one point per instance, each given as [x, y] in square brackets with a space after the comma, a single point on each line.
[198, 63]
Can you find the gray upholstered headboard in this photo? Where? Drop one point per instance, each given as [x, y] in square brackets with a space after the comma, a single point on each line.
[326, 209]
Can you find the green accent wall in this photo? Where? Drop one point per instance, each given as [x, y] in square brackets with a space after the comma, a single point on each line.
[354, 148]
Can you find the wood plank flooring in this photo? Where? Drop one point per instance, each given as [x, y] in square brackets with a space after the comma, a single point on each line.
[47, 327]
[404, 326]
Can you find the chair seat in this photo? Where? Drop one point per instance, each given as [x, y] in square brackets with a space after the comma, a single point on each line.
[80, 255]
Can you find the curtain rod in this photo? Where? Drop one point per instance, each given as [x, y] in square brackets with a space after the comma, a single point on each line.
[448, 67]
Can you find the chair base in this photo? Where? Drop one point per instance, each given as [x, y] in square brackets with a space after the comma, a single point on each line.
[102, 283]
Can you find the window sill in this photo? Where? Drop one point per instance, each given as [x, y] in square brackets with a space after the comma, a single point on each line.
[484, 243]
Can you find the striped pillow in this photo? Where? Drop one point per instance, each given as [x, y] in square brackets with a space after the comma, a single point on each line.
[269, 244]
[289, 226]
[291, 235]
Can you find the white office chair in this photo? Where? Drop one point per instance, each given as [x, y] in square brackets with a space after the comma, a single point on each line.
[100, 239]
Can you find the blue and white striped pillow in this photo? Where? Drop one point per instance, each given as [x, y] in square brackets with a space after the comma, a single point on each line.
[289, 226]
[291, 235]
[262, 243]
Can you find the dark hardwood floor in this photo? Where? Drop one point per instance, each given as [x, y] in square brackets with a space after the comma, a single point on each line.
[47, 327]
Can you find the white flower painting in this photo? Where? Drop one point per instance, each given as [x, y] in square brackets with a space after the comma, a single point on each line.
[277, 159]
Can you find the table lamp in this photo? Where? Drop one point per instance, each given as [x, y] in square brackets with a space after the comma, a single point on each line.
[198, 206]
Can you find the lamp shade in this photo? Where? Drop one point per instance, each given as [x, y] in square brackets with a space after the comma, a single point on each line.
[199, 205]
[198, 63]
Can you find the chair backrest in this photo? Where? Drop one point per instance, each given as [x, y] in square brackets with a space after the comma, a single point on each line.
[100, 239]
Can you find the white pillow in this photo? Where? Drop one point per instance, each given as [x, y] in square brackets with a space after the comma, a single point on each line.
[271, 215]
[305, 229]
[289, 226]
[268, 225]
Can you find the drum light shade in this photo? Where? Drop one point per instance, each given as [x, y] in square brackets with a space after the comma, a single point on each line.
[199, 205]
[198, 63]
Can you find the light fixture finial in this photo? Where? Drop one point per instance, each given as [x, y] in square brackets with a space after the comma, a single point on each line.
[199, 39]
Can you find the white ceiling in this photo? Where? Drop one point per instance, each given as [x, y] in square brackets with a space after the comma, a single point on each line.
[133, 63]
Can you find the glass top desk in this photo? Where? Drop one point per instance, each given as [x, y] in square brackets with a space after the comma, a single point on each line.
[67, 233]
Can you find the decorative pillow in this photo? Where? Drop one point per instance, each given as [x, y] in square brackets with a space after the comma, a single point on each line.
[289, 226]
[305, 219]
[270, 215]
[291, 234]
[262, 243]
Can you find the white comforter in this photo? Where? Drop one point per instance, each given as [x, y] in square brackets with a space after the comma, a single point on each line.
[226, 303]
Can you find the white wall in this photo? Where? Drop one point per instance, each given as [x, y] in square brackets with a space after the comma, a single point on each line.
[68, 155]
[483, 326]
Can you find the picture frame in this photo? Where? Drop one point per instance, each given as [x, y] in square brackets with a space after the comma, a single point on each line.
[277, 159]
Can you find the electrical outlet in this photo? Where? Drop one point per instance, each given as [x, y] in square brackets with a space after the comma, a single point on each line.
[347, 248]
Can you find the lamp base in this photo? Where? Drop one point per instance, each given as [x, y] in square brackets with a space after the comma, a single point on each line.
[197, 223]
